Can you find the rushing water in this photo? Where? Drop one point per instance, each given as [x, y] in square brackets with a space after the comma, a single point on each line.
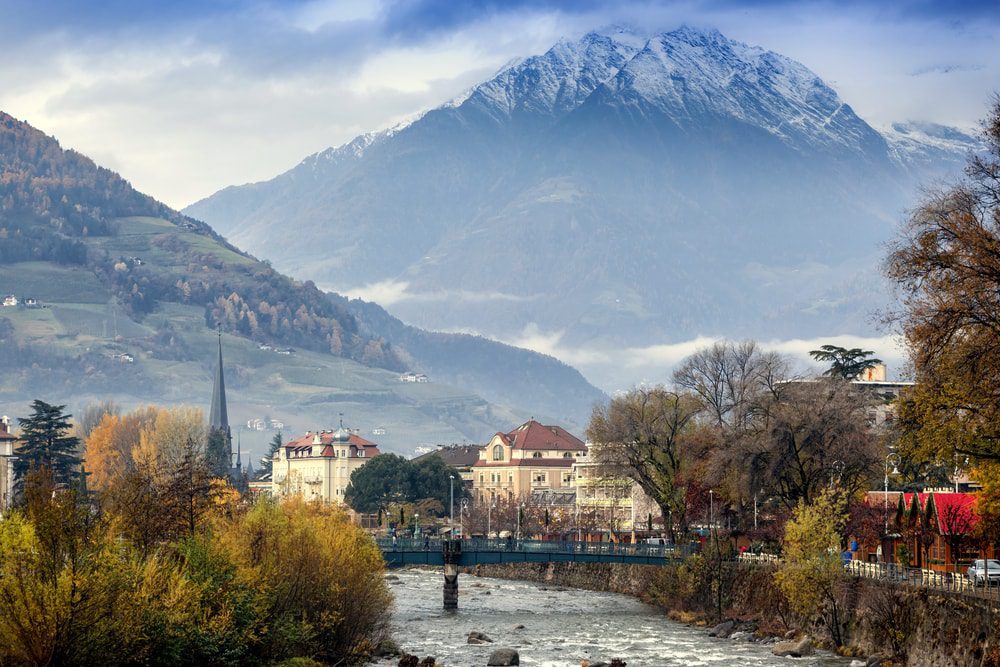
[561, 628]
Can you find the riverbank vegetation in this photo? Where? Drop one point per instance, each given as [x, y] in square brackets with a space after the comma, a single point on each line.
[161, 564]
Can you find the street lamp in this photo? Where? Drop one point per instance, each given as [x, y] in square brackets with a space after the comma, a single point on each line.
[711, 509]
[579, 528]
[893, 460]
[520, 509]
[461, 517]
[416, 525]
[489, 517]
[451, 505]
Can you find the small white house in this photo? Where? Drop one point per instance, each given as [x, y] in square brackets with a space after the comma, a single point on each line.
[10, 300]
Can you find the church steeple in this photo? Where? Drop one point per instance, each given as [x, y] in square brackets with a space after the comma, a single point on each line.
[218, 415]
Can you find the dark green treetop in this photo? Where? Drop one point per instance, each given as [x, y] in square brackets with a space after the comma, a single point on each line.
[46, 443]
[845, 363]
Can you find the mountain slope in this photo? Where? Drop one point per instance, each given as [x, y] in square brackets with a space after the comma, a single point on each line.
[130, 292]
[610, 192]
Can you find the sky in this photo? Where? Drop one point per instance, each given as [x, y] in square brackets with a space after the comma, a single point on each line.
[184, 98]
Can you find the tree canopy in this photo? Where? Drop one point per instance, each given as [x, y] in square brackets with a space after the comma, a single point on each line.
[390, 479]
[946, 264]
[46, 443]
[846, 364]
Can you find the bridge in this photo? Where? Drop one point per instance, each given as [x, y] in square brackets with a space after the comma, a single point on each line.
[453, 554]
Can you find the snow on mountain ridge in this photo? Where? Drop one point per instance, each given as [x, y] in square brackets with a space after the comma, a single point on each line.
[689, 73]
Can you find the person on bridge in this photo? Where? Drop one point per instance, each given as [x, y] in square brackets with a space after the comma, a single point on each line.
[427, 543]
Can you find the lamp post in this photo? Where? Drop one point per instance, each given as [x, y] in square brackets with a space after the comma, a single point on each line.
[463, 507]
[755, 511]
[891, 459]
[520, 508]
[579, 528]
[416, 525]
[451, 505]
[711, 509]
[489, 517]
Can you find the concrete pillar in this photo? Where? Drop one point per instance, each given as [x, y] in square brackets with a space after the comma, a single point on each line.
[452, 551]
[450, 587]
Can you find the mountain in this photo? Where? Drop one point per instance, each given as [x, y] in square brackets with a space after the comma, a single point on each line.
[613, 192]
[121, 296]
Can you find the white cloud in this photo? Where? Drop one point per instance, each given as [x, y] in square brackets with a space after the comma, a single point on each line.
[389, 292]
[616, 368]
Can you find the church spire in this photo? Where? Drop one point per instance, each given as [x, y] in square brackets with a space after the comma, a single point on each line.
[218, 416]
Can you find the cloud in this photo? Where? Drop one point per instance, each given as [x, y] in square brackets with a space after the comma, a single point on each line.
[187, 97]
[616, 369]
[389, 292]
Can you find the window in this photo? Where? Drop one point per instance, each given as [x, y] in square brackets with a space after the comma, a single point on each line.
[481, 477]
[361, 453]
[536, 455]
[567, 455]
[498, 452]
[567, 478]
[541, 477]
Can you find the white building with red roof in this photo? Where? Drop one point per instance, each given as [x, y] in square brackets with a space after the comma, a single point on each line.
[532, 457]
[318, 465]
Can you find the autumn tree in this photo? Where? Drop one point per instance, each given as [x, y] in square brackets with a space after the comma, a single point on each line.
[647, 435]
[816, 438]
[811, 571]
[845, 364]
[946, 265]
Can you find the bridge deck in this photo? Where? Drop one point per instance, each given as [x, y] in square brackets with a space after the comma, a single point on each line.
[482, 551]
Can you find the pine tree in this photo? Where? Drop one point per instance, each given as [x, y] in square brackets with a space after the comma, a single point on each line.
[266, 462]
[47, 444]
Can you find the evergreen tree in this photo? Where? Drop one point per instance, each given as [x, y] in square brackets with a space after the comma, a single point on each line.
[47, 444]
[845, 364]
[266, 462]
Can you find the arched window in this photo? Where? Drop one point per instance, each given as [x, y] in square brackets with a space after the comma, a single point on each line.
[498, 452]
[567, 455]
[536, 455]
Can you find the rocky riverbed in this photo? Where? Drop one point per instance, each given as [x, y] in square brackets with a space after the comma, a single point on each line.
[558, 627]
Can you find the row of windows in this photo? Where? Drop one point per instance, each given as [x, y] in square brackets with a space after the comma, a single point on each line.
[498, 454]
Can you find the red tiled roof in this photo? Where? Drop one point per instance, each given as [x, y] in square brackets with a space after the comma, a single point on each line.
[355, 441]
[532, 435]
[955, 512]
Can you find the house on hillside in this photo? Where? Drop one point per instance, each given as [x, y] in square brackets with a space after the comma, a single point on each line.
[10, 301]
[531, 457]
[318, 465]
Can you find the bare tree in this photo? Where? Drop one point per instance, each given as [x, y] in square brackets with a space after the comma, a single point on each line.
[649, 436]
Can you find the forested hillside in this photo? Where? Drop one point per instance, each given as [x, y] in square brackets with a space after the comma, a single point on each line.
[59, 206]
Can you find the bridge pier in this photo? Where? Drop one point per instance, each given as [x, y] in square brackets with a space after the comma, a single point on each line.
[452, 552]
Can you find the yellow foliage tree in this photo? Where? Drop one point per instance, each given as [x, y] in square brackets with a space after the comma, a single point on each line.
[812, 567]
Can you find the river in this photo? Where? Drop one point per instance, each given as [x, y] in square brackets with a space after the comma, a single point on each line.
[561, 628]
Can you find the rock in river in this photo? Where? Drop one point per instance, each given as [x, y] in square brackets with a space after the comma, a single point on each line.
[504, 657]
[793, 649]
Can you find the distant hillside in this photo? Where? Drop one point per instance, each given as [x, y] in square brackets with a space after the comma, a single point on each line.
[499, 373]
[120, 295]
[617, 190]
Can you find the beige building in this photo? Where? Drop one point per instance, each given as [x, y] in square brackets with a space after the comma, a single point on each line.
[7, 442]
[532, 457]
[615, 501]
[318, 466]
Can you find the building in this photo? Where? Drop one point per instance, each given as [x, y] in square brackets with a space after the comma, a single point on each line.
[460, 457]
[9, 301]
[531, 457]
[613, 501]
[218, 425]
[318, 465]
[7, 443]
